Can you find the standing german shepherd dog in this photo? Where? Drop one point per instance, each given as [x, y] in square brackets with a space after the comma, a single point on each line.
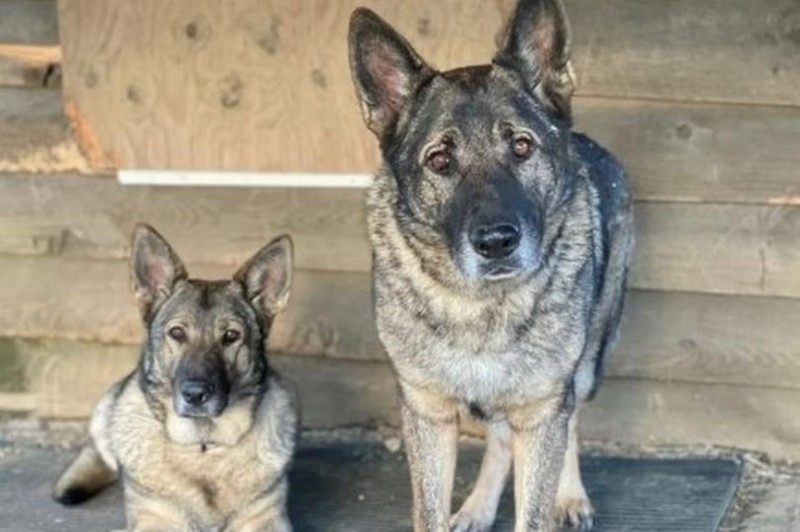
[501, 241]
[203, 431]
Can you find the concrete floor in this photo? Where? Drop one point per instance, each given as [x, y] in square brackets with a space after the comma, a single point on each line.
[768, 499]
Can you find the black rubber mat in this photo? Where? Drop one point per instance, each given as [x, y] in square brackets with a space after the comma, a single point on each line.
[365, 488]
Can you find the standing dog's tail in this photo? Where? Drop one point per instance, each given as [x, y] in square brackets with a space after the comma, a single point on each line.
[83, 478]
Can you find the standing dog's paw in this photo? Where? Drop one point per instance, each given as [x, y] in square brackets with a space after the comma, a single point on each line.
[575, 512]
[471, 520]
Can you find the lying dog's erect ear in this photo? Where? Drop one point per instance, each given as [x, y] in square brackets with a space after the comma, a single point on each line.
[267, 276]
[385, 69]
[155, 268]
[537, 45]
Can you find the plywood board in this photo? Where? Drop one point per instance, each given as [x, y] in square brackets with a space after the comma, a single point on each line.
[242, 85]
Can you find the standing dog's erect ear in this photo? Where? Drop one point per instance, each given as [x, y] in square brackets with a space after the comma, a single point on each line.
[155, 268]
[537, 45]
[267, 276]
[385, 69]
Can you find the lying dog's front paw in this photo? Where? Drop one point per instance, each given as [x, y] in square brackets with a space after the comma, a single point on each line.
[472, 520]
[575, 512]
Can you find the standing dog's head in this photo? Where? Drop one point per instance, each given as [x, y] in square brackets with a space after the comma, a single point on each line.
[478, 154]
[205, 345]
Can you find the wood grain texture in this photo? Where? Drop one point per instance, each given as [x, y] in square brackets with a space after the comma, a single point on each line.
[714, 248]
[239, 85]
[335, 394]
[665, 336]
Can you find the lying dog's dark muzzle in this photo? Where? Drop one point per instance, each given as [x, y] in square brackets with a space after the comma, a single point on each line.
[200, 388]
[492, 228]
[199, 398]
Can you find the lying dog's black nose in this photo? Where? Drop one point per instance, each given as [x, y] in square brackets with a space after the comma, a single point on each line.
[196, 392]
[495, 241]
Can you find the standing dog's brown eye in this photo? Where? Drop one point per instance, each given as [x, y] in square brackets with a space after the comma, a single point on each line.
[230, 336]
[177, 334]
[522, 147]
[439, 161]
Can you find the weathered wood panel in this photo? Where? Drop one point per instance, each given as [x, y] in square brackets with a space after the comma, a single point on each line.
[669, 336]
[691, 152]
[676, 413]
[716, 248]
[713, 50]
[239, 85]
[35, 134]
[346, 394]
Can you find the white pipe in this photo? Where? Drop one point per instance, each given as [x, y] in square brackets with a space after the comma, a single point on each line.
[200, 178]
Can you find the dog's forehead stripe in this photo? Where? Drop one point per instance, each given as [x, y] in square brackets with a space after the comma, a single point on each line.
[470, 78]
[202, 302]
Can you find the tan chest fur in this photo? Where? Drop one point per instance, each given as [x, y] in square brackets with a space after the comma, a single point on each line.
[209, 482]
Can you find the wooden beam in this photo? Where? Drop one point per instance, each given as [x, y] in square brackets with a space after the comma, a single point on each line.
[665, 336]
[157, 88]
[32, 55]
[714, 248]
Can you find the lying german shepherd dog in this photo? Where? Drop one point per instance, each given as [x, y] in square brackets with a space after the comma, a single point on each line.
[501, 241]
[203, 430]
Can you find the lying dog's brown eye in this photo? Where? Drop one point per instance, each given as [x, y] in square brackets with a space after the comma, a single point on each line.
[439, 161]
[522, 147]
[230, 337]
[177, 334]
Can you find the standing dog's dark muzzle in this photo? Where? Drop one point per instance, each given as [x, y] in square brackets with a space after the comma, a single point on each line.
[495, 241]
[493, 228]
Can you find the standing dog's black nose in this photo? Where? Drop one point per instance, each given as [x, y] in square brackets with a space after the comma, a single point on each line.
[495, 241]
[196, 392]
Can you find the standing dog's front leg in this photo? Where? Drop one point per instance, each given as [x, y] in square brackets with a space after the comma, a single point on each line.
[539, 442]
[430, 431]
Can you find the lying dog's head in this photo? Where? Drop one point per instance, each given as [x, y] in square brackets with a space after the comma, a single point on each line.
[205, 345]
[478, 153]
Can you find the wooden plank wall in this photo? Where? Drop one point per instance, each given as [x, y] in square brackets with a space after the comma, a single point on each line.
[699, 99]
